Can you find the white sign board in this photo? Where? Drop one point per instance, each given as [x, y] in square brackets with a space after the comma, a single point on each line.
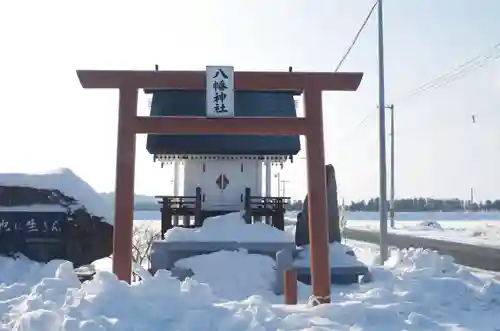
[220, 91]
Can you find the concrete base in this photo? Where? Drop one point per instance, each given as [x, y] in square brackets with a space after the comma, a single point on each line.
[340, 275]
[164, 254]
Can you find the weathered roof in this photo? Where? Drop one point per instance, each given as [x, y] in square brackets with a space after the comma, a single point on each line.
[13, 197]
[60, 185]
[247, 104]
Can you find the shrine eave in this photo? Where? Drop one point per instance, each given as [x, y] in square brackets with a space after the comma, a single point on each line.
[181, 157]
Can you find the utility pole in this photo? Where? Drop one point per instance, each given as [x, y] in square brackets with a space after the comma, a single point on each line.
[384, 249]
[278, 176]
[391, 202]
[284, 182]
[472, 198]
[472, 174]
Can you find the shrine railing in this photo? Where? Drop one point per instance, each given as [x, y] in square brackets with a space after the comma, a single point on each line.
[173, 201]
[269, 201]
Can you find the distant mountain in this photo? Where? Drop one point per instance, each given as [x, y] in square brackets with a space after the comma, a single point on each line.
[141, 201]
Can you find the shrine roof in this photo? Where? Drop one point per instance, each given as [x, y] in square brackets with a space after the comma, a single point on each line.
[246, 104]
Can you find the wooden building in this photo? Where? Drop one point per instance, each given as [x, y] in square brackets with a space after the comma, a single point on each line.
[222, 173]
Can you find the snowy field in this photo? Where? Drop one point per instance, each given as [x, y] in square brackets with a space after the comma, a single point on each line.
[472, 228]
[231, 291]
[417, 290]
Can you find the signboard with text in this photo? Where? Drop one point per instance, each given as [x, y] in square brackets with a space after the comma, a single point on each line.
[32, 224]
[220, 91]
[37, 235]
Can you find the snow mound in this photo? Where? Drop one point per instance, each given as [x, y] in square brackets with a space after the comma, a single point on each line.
[229, 227]
[50, 298]
[430, 225]
[57, 301]
[484, 231]
[104, 264]
[68, 183]
[232, 274]
[340, 256]
[422, 262]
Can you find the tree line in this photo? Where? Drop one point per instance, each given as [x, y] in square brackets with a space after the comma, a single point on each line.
[426, 204]
[147, 205]
[417, 204]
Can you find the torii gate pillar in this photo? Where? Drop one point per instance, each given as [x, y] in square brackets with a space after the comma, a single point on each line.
[129, 124]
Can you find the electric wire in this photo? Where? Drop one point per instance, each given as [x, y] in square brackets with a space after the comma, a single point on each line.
[356, 37]
[354, 41]
[457, 73]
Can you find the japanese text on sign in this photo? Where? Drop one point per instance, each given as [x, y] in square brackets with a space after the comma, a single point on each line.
[220, 91]
[30, 226]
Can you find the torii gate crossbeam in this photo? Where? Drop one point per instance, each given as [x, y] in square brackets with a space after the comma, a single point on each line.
[129, 124]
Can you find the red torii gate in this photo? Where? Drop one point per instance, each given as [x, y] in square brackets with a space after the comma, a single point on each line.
[129, 124]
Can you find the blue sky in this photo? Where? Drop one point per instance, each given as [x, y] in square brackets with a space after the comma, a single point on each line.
[49, 121]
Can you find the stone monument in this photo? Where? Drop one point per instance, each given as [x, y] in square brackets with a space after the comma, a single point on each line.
[302, 227]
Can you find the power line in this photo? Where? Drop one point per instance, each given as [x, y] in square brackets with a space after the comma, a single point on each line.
[451, 78]
[359, 125]
[337, 68]
[457, 73]
[356, 36]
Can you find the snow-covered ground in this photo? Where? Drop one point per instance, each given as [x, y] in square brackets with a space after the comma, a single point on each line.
[417, 290]
[473, 228]
[479, 228]
[478, 232]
